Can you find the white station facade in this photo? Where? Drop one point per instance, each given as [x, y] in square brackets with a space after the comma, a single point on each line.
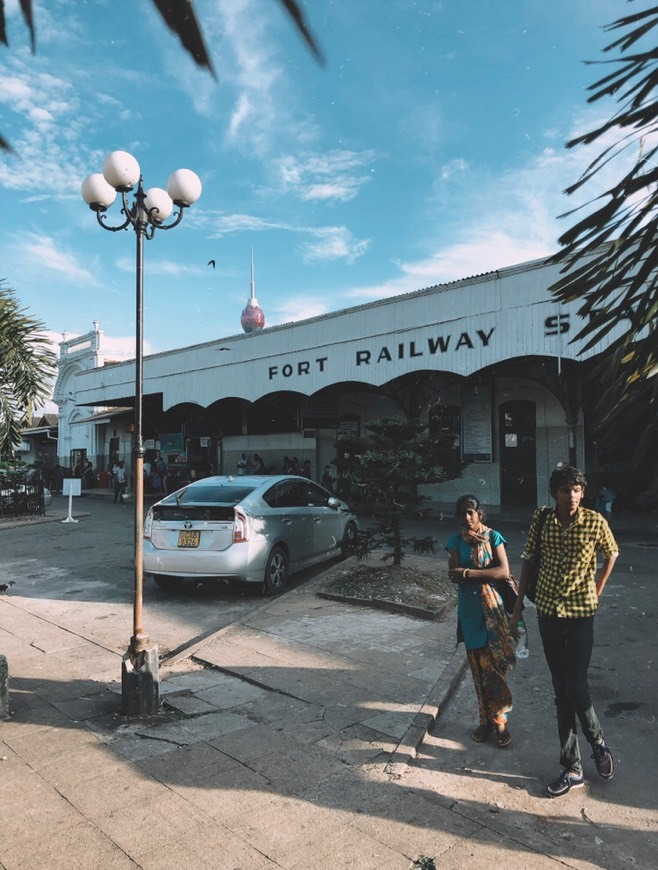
[491, 358]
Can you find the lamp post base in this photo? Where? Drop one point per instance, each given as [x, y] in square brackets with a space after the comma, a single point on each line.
[140, 682]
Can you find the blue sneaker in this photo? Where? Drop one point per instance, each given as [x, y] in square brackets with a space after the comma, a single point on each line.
[564, 783]
[603, 760]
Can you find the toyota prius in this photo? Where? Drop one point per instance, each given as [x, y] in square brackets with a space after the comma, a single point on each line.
[257, 529]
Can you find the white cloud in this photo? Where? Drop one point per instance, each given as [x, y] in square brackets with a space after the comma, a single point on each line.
[453, 167]
[335, 175]
[334, 243]
[296, 308]
[49, 255]
[46, 135]
[503, 220]
[249, 67]
[160, 267]
[237, 223]
[323, 243]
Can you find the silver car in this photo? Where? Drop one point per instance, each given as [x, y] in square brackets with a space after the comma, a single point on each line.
[254, 529]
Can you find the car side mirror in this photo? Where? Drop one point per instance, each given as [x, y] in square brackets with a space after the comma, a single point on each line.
[333, 503]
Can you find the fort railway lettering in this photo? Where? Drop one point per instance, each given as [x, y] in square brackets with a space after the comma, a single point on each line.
[402, 350]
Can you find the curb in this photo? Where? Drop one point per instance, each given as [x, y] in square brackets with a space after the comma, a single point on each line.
[425, 718]
[390, 606]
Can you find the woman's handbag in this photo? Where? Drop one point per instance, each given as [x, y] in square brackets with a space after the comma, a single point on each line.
[508, 589]
[532, 569]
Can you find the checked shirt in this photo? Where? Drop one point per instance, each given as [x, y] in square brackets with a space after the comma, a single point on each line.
[566, 586]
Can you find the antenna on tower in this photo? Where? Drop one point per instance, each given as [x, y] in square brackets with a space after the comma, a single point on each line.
[253, 285]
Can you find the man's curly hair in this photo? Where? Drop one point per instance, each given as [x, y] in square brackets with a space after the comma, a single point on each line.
[566, 475]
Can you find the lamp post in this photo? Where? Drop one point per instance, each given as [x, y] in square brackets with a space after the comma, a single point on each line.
[147, 213]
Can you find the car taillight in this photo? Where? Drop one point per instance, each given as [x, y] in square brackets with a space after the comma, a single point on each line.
[148, 524]
[240, 527]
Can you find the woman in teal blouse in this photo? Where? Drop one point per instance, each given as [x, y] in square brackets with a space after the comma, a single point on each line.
[476, 557]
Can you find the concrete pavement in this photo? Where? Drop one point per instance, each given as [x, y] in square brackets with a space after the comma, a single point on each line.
[288, 739]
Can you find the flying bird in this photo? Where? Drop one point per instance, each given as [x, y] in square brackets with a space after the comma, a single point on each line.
[5, 586]
[211, 263]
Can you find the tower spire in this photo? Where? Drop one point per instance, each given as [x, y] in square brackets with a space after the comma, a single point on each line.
[253, 285]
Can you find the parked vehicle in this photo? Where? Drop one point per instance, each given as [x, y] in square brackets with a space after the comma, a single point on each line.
[253, 529]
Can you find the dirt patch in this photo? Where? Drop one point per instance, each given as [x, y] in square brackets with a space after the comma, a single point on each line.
[414, 585]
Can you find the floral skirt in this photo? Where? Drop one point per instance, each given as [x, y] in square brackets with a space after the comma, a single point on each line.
[493, 693]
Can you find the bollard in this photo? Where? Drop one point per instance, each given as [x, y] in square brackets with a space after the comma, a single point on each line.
[4, 688]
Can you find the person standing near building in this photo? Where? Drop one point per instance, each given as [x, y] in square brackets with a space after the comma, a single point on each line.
[242, 465]
[120, 481]
[477, 557]
[163, 470]
[569, 588]
[327, 479]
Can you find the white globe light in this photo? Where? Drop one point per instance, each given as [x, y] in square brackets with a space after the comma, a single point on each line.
[157, 198]
[184, 186]
[121, 170]
[97, 193]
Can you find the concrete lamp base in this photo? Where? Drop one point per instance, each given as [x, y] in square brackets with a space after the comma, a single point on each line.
[140, 683]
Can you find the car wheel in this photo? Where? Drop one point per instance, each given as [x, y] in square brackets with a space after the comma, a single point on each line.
[349, 537]
[276, 571]
[169, 584]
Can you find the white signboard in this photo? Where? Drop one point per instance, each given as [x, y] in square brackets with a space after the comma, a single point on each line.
[71, 486]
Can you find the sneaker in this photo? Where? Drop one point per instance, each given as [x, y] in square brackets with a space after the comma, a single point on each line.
[564, 783]
[603, 760]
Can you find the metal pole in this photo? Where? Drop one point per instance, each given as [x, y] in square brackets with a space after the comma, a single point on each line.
[139, 640]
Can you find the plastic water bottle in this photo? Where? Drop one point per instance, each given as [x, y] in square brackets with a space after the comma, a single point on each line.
[522, 650]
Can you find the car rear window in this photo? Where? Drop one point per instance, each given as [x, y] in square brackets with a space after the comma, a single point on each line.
[173, 512]
[211, 494]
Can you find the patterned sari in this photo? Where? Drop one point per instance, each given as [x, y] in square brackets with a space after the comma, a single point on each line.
[490, 664]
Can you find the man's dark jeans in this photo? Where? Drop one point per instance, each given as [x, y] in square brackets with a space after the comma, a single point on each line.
[568, 649]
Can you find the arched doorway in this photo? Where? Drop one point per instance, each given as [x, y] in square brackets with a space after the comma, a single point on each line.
[518, 453]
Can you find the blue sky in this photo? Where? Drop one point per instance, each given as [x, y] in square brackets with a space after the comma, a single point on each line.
[429, 148]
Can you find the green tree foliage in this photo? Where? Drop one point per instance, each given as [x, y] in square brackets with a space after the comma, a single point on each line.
[27, 367]
[180, 17]
[609, 257]
[379, 475]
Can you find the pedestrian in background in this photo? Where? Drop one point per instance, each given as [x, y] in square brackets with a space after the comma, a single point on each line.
[477, 556]
[327, 479]
[163, 471]
[242, 465]
[120, 481]
[567, 597]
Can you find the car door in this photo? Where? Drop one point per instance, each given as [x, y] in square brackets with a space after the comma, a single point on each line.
[327, 522]
[290, 521]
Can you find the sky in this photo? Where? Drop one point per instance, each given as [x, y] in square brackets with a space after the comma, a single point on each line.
[429, 147]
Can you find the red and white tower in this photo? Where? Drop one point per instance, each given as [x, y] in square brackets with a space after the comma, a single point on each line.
[252, 317]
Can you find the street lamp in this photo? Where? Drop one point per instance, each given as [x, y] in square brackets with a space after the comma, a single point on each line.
[149, 210]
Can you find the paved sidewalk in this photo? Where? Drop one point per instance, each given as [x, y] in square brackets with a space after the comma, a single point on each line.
[283, 743]
[279, 738]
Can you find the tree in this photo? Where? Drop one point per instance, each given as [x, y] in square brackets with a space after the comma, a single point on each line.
[27, 367]
[609, 257]
[180, 17]
[379, 475]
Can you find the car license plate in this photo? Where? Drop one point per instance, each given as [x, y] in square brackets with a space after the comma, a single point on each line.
[188, 539]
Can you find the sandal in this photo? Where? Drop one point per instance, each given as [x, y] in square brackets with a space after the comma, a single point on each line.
[481, 733]
[503, 739]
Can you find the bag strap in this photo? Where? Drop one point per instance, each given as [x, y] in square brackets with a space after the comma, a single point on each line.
[542, 522]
